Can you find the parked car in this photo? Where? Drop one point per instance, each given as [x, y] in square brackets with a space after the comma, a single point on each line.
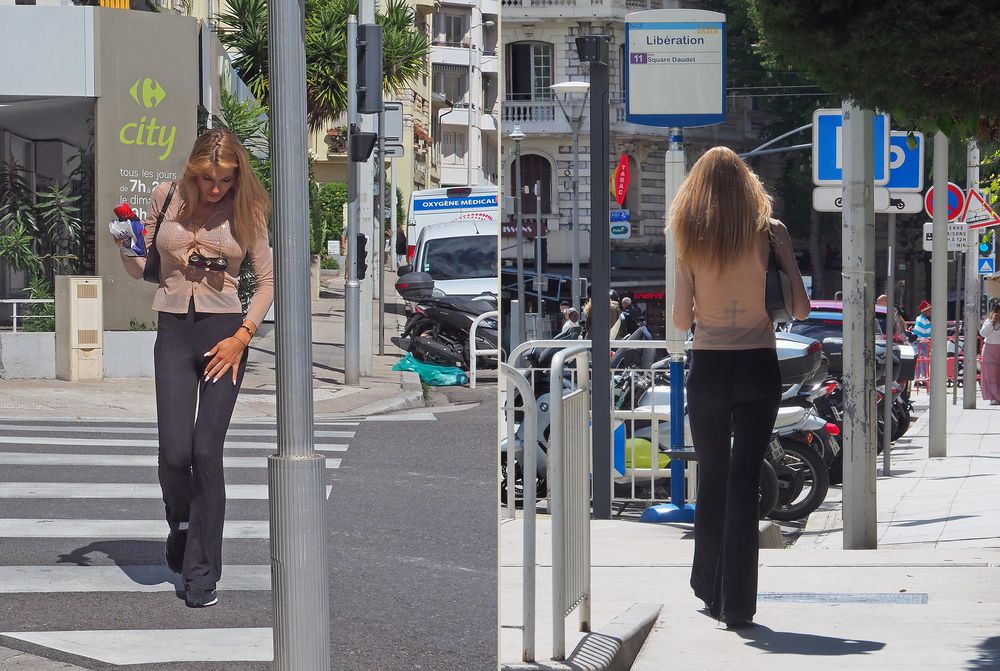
[460, 256]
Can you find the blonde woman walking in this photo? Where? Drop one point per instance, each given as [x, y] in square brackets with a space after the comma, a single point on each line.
[722, 226]
[216, 216]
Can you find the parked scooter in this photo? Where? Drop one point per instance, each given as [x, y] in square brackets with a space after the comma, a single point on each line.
[438, 330]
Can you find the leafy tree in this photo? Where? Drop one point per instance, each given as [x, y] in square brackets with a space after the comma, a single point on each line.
[17, 251]
[889, 56]
[332, 198]
[243, 30]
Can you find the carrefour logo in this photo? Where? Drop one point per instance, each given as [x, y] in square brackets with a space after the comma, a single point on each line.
[147, 131]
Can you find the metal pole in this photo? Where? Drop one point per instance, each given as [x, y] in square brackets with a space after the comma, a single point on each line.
[367, 225]
[393, 224]
[522, 333]
[860, 529]
[971, 291]
[576, 209]
[538, 255]
[675, 169]
[939, 301]
[958, 325]
[352, 288]
[600, 268]
[379, 279]
[468, 114]
[296, 474]
[890, 318]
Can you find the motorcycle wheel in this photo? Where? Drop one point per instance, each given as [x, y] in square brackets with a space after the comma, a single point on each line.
[541, 486]
[423, 344]
[901, 423]
[803, 461]
[837, 469]
[768, 490]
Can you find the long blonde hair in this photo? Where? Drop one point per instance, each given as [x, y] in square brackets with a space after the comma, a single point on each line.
[720, 210]
[251, 203]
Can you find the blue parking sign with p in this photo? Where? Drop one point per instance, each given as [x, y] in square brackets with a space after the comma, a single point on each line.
[828, 147]
[906, 163]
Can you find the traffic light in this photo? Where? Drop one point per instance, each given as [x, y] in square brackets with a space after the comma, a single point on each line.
[369, 68]
[987, 243]
[362, 256]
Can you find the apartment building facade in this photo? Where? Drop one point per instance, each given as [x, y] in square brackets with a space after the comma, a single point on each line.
[539, 50]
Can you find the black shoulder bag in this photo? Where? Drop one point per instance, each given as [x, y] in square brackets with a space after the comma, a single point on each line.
[151, 273]
[777, 288]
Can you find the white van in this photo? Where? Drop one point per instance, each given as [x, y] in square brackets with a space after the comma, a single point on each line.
[441, 206]
[461, 256]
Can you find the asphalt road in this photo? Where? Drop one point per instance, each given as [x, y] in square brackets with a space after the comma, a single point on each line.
[412, 546]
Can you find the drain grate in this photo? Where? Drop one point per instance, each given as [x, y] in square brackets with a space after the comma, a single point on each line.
[844, 597]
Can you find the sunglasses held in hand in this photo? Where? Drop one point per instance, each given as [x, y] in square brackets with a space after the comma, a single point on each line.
[196, 260]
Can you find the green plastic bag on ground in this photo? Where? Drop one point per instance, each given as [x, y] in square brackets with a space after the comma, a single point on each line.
[434, 375]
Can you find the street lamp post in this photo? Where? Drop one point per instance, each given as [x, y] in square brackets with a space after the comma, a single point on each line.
[574, 123]
[517, 135]
[468, 107]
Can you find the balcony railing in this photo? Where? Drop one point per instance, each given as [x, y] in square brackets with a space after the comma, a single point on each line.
[523, 112]
[523, 9]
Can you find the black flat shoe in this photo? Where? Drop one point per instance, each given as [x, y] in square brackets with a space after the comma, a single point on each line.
[736, 622]
[200, 598]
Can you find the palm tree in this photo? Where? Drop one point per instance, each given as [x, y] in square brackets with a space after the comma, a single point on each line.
[405, 50]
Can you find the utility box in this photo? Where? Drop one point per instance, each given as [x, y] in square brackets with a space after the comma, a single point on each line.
[79, 328]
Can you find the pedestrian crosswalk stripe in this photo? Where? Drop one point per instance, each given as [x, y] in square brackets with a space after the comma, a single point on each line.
[120, 442]
[151, 431]
[112, 529]
[55, 579]
[158, 646]
[115, 490]
[49, 459]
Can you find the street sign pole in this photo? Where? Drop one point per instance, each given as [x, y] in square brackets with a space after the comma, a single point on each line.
[352, 287]
[593, 49]
[296, 475]
[538, 257]
[890, 315]
[971, 290]
[379, 242]
[939, 301]
[860, 528]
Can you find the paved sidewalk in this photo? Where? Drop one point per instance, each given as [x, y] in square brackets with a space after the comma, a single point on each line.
[927, 598]
[133, 398]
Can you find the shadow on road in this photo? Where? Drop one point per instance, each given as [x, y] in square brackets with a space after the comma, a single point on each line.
[989, 654]
[794, 643]
[141, 561]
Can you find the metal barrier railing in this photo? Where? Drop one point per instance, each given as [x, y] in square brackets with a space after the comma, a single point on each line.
[515, 380]
[569, 462]
[13, 302]
[475, 353]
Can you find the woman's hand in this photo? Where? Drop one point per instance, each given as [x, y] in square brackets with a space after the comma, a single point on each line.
[226, 356]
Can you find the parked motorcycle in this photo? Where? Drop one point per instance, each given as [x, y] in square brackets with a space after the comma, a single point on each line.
[438, 330]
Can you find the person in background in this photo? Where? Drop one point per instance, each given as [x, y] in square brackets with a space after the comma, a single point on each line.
[989, 384]
[723, 230]
[838, 295]
[400, 245]
[564, 309]
[572, 320]
[922, 332]
[631, 317]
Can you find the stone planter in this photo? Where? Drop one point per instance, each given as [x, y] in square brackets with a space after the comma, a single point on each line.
[33, 355]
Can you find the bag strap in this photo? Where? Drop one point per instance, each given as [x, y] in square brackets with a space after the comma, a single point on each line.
[772, 259]
[163, 210]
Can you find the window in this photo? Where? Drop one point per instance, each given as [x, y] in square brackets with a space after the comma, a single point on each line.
[529, 65]
[453, 148]
[450, 28]
[471, 256]
[452, 81]
[534, 168]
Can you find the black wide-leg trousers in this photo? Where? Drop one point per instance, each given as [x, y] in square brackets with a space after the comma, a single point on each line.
[733, 398]
[192, 418]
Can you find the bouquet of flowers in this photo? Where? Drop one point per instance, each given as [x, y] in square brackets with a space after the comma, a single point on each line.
[127, 225]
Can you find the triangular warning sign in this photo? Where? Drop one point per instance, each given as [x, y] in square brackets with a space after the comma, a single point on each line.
[986, 266]
[977, 213]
